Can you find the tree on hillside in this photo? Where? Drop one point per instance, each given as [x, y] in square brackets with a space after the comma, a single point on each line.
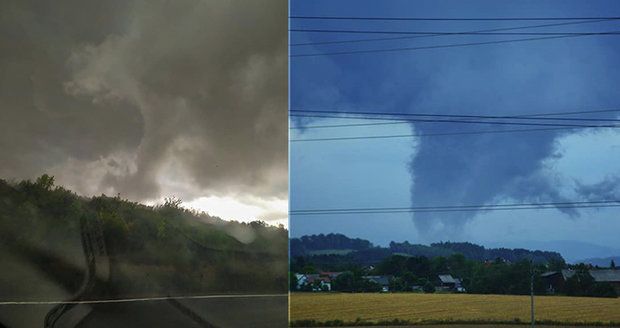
[398, 285]
[393, 265]
[330, 241]
[428, 287]
[172, 202]
[580, 283]
[45, 182]
[293, 281]
[557, 264]
[409, 278]
[439, 264]
[352, 281]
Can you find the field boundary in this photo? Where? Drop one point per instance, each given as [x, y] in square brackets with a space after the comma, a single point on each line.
[398, 322]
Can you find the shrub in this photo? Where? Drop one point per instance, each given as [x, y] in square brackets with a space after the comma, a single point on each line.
[429, 287]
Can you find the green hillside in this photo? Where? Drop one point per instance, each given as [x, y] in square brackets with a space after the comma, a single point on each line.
[127, 249]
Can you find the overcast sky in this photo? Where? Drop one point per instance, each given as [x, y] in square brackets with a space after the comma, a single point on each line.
[503, 79]
[149, 99]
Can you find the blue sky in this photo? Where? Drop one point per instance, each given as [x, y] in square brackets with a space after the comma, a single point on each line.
[506, 79]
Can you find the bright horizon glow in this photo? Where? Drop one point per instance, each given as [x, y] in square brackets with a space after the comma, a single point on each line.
[273, 212]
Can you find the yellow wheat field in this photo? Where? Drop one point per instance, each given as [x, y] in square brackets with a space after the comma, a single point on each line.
[450, 307]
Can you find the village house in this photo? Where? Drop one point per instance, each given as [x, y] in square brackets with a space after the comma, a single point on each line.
[316, 282]
[383, 281]
[302, 279]
[555, 280]
[610, 276]
[447, 282]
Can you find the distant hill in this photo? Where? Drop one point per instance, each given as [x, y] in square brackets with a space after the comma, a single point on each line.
[573, 251]
[321, 242]
[419, 250]
[328, 249]
[480, 253]
[603, 262]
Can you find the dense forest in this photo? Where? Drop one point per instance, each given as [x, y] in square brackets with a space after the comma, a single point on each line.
[305, 244]
[480, 253]
[338, 248]
[111, 247]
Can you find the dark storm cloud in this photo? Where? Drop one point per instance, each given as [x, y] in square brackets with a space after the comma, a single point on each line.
[492, 168]
[608, 189]
[144, 97]
[506, 79]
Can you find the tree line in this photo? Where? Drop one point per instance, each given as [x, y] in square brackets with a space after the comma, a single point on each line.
[498, 276]
[364, 251]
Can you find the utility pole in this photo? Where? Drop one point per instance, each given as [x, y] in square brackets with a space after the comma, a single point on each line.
[532, 319]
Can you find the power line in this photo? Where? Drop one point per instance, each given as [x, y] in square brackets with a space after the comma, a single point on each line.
[397, 117]
[308, 17]
[532, 117]
[427, 134]
[607, 201]
[455, 115]
[335, 115]
[577, 112]
[552, 127]
[424, 120]
[400, 120]
[347, 125]
[424, 36]
[460, 208]
[521, 123]
[526, 117]
[447, 33]
[441, 46]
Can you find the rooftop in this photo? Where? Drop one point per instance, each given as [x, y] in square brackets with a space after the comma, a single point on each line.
[447, 279]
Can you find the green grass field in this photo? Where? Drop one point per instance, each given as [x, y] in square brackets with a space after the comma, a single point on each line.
[411, 308]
